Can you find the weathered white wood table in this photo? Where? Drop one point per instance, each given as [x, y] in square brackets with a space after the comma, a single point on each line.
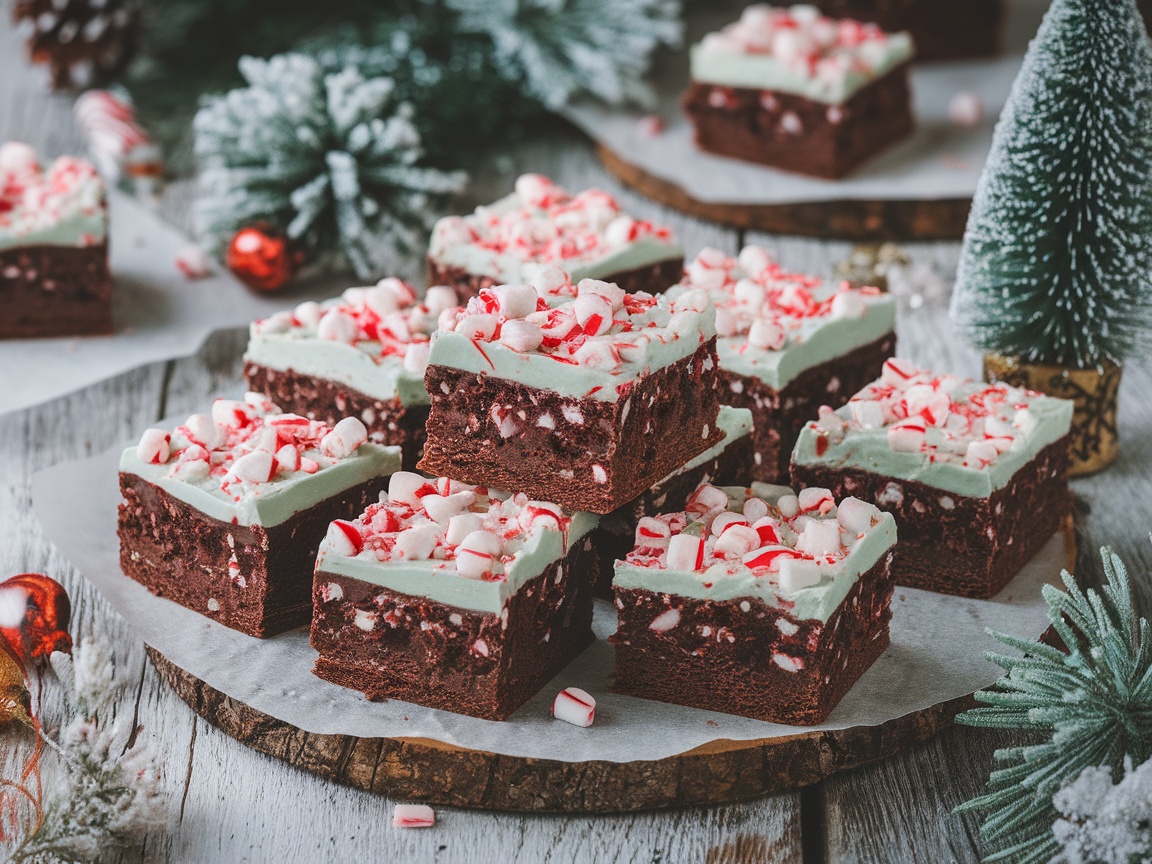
[230, 804]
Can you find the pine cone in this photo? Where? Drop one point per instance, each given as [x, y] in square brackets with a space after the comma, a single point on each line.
[83, 41]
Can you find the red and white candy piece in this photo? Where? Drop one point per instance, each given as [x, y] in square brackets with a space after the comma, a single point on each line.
[413, 816]
[652, 533]
[575, 706]
[153, 448]
[344, 439]
[685, 552]
[816, 500]
[522, 336]
[337, 326]
[907, 436]
[256, 467]
[767, 335]
[344, 538]
[478, 554]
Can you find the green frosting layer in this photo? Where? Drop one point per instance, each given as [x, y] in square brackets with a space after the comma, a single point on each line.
[438, 580]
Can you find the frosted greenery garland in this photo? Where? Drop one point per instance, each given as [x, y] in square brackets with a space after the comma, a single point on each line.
[1056, 265]
[1094, 697]
[563, 47]
[331, 159]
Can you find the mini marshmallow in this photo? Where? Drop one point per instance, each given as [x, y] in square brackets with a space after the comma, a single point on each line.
[515, 301]
[230, 414]
[856, 516]
[611, 292]
[255, 467]
[868, 413]
[441, 508]
[755, 509]
[413, 816]
[819, 537]
[550, 280]
[907, 436]
[816, 500]
[575, 706]
[848, 304]
[979, 454]
[737, 541]
[460, 526]
[480, 327]
[521, 335]
[685, 552]
[416, 543]
[754, 260]
[749, 293]
[337, 327]
[477, 554]
[407, 487]
[593, 313]
[706, 499]
[534, 189]
[768, 335]
[404, 293]
[345, 437]
[726, 520]
[416, 357]
[797, 573]
[439, 298]
[153, 448]
[788, 505]
[897, 371]
[204, 430]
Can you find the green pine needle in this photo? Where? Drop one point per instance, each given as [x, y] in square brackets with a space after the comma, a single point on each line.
[1094, 696]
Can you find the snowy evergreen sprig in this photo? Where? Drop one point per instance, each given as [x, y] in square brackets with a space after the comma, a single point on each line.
[1094, 697]
[1102, 823]
[561, 48]
[1057, 259]
[111, 793]
[332, 159]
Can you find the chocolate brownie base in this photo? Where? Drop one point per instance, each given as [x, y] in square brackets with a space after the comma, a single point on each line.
[584, 454]
[745, 657]
[653, 278]
[253, 579]
[956, 545]
[940, 31]
[616, 534]
[395, 646]
[388, 422]
[55, 291]
[779, 415]
[797, 134]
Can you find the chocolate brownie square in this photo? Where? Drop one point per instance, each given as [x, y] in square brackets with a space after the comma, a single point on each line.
[362, 354]
[940, 31]
[541, 224]
[54, 277]
[798, 91]
[224, 514]
[788, 343]
[587, 405]
[754, 601]
[975, 474]
[453, 596]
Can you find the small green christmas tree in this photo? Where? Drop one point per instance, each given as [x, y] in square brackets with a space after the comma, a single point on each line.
[1057, 259]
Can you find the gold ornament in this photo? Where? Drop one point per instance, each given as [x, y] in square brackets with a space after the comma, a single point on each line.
[868, 264]
[1094, 439]
[15, 701]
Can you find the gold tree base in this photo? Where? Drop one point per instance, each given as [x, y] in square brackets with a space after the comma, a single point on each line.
[1094, 443]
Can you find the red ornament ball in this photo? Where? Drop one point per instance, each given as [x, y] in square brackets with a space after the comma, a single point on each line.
[261, 258]
[34, 615]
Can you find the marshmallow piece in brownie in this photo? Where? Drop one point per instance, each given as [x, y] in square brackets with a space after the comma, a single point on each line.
[791, 88]
[362, 354]
[728, 461]
[224, 513]
[588, 404]
[976, 474]
[787, 344]
[54, 278]
[453, 596]
[540, 224]
[754, 601]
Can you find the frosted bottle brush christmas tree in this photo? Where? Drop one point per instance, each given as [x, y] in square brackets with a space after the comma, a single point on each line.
[1055, 277]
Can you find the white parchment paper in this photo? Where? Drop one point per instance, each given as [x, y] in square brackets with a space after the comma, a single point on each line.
[940, 160]
[936, 654]
[158, 313]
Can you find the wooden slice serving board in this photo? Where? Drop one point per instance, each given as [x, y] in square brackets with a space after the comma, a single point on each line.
[421, 769]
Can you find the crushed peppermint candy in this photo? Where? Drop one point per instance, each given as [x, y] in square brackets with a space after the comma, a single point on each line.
[386, 321]
[603, 328]
[757, 299]
[473, 530]
[790, 540]
[413, 816]
[33, 200]
[241, 445]
[807, 43]
[575, 706]
[546, 224]
[944, 418]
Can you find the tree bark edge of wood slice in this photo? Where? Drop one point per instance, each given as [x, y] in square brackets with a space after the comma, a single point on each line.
[848, 219]
[420, 769]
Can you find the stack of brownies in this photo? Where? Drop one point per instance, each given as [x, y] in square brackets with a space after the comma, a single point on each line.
[575, 444]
